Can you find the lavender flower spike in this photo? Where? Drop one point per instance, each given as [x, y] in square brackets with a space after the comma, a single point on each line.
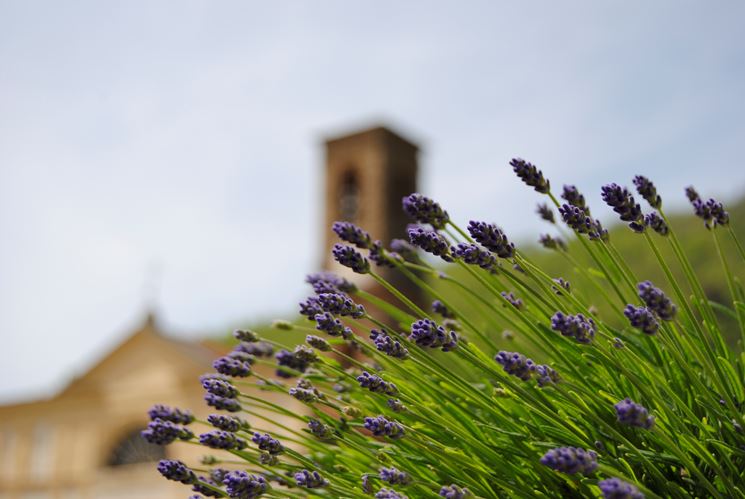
[530, 175]
[426, 333]
[452, 491]
[243, 485]
[571, 460]
[630, 413]
[349, 257]
[571, 195]
[472, 254]
[338, 304]
[222, 403]
[622, 202]
[550, 242]
[267, 443]
[578, 326]
[382, 427]
[657, 301]
[376, 384]
[440, 308]
[171, 414]
[352, 234]
[394, 476]
[613, 488]
[545, 213]
[220, 439]
[310, 479]
[385, 493]
[431, 242]
[492, 238]
[384, 343]
[516, 364]
[160, 432]
[642, 318]
[648, 191]
[656, 223]
[176, 471]
[426, 211]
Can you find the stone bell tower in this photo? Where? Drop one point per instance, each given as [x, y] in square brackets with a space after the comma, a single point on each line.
[367, 173]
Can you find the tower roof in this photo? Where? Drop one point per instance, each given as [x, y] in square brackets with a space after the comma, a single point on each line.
[380, 130]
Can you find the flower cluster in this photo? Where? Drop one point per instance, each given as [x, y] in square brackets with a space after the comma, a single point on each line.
[310, 479]
[630, 413]
[339, 304]
[352, 234]
[424, 210]
[244, 485]
[376, 384]
[474, 255]
[161, 432]
[571, 460]
[622, 202]
[380, 426]
[492, 238]
[531, 175]
[578, 326]
[571, 195]
[431, 242]
[349, 257]
[642, 318]
[648, 191]
[657, 301]
[426, 333]
[613, 488]
[579, 219]
[384, 343]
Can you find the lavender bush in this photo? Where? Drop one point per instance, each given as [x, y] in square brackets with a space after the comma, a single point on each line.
[643, 399]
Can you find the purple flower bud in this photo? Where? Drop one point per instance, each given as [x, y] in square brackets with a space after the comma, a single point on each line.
[227, 423]
[352, 234]
[258, 349]
[219, 386]
[240, 484]
[426, 211]
[304, 391]
[376, 384]
[530, 175]
[231, 366]
[630, 413]
[452, 491]
[622, 202]
[298, 360]
[310, 479]
[310, 307]
[267, 443]
[571, 460]
[171, 414]
[219, 439]
[318, 343]
[319, 429]
[642, 318]
[431, 242]
[656, 223]
[571, 195]
[691, 194]
[384, 343]
[382, 427]
[176, 471]
[474, 255]
[492, 238]
[332, 326]
[554, 243]
[245, 335]
[546, 375]
[350, 257]
[579, 220]
[613, 488]
[426, 333]
[339, 304]
[329, 280]
[396, 405]
[657, 301]
[385, 493]
[516, 364]
[440, 308]
[648, 191]
[577, 326]
[222, 403]
[545, 213]
[161, 432]
[514, 301]
[215, 479]
[394, 476]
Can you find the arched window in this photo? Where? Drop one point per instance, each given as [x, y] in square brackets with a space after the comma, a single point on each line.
[349, 203]
[134, 449]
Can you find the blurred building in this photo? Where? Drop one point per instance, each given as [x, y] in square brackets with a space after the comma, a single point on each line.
[85, 443]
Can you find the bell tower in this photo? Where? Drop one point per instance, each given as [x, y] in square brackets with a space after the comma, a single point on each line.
[367, 173]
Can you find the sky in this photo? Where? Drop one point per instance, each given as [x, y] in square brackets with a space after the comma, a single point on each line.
[168, 155]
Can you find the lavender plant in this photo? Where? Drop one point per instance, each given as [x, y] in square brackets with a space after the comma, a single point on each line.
[638, 398]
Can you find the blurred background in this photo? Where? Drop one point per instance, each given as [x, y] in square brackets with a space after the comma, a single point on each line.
[163, 164]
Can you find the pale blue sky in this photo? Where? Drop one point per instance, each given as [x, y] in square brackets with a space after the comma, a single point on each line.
[187, 134]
